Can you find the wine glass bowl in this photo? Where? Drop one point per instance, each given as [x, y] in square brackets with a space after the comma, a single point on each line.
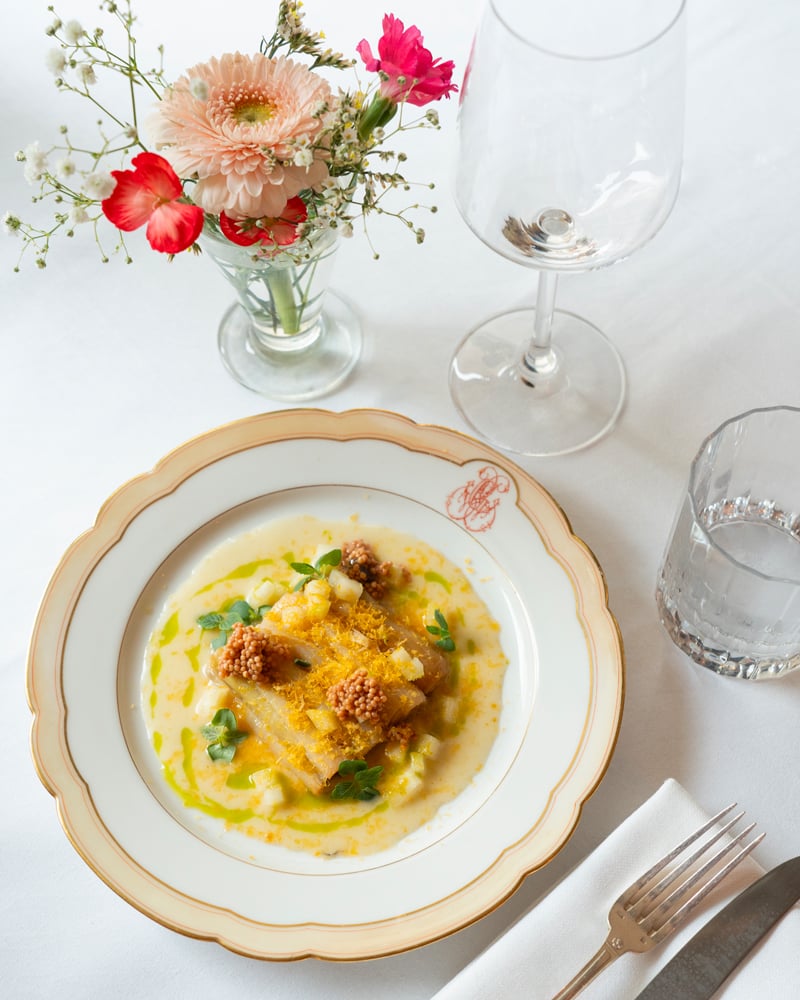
[570, 140]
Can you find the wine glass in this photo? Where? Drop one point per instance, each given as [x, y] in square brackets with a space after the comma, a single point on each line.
[570, 143]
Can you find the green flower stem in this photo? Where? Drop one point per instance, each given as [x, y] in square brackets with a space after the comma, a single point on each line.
[378, 113]
[280, 286]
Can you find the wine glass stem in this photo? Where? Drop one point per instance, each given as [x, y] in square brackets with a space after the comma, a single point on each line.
[540, 358]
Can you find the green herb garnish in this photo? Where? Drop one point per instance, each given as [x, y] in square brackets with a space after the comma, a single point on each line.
[240, 612]
[302, 663]
[363, 784]
[223, 736]
[319, 570]
[442, 629]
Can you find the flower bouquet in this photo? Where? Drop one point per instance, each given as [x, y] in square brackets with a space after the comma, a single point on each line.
[254, 158]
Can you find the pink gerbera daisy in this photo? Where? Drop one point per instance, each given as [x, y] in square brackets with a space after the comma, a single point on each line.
[239, 135]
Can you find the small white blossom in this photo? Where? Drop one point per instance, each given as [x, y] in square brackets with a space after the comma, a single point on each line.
[198, 88]
[73, 32]
[56, 61]
[433, 116]
[35, 162]
[87, 74]
[65, 168]
[78, 214]
[53, 28]
[99, 185]
[347, 230]
[304, 157]
[11, 224]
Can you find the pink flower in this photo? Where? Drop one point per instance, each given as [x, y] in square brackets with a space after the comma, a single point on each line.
[277, 232]
[409, 70]
[234, 123]
[150, 194]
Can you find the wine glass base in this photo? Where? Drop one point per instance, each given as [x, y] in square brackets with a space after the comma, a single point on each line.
[293, 375]
[541, 415]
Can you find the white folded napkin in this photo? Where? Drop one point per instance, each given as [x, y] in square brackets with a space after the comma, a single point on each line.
[544, 949]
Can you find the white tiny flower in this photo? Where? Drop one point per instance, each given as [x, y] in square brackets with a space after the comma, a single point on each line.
[35, 162]
[11, 224]
[78, 214]
[99, 185]
[65, 168]
[433, 116]
[55, 61]
[73, 32]
[87, 74]
[198, 88]
[304, 157]
[347, 230]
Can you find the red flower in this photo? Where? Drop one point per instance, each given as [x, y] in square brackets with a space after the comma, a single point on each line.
[277, 232]
[409, 70]
[150, 194]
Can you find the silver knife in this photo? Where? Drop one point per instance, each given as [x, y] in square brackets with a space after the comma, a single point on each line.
[705, 962]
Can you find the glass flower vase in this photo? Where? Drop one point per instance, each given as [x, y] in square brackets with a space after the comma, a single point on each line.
[287, 336]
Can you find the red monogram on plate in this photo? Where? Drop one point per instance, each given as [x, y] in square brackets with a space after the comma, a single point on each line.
[475, 505]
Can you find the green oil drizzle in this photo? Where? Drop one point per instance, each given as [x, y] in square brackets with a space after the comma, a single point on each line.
[243, 778]
[194, 657]
[328, 827]
[169, 631]
[191, 797]
[240, 573]
[471, 646]
[155, 668]
[188, 694]
[158, 739]
[432, 577]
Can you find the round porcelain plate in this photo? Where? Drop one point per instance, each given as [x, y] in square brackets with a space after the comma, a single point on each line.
[562, 699]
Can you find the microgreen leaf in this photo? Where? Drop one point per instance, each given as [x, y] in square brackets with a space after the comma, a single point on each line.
[362, 786]
[239, 612]
[442, 629]
[332, 558]
[305, 568]
[318, 571]
[301, 663]
[351, 766]
[222, 735]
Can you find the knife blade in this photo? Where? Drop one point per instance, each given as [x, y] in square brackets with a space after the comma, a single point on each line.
[698, 970]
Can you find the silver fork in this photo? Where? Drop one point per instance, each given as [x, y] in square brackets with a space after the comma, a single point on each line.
[656, 904]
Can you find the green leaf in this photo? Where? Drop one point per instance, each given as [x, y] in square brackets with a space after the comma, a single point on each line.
[369, 776]
[219, 640]
[210, 621]
[224, 717]
[211, 733]
[344, 790]
[367, 793]
[434, 629]
[216, 751]
[306, 568]
[301, 663]
[352, 766]
[441, 620]
[243, 610]
[332, 558]
[446, 644]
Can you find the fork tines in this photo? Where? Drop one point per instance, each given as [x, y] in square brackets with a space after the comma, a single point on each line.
[659, 908]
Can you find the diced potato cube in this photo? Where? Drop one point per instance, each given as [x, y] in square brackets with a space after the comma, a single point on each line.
[428, 745]
[318, 599]
[417, 761]
[411, 667]
[324, 719]
[396, 751]
[343, 587]
[267, 592]
[412, 783]
[214, 697]
[269, 784]
[449, 709]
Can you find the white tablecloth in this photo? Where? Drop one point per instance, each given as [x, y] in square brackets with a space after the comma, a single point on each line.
[107, 367]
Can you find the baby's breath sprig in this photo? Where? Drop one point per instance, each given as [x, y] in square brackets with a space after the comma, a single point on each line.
[291, 33]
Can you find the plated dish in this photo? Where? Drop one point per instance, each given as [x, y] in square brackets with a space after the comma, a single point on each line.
[559, 710]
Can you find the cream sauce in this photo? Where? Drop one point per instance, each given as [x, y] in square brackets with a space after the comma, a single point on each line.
[250, 792]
